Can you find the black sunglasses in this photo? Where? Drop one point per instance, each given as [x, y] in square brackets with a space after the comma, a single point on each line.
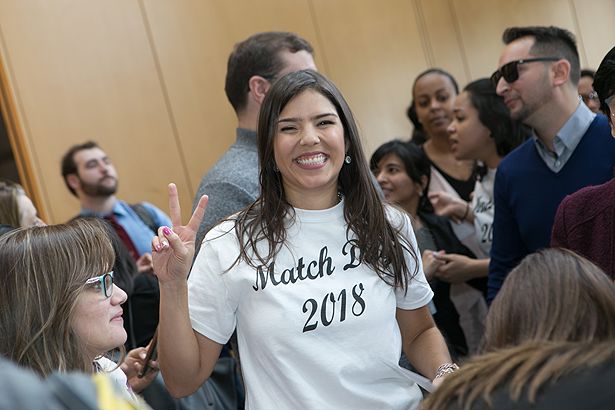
[510, 71]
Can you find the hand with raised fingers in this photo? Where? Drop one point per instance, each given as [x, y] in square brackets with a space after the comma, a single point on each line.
[173, 248]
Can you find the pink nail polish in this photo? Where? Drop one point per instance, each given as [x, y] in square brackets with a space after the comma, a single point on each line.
[166, 231]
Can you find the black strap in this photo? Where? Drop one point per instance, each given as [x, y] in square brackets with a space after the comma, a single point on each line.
[146, 217]
[131, 329]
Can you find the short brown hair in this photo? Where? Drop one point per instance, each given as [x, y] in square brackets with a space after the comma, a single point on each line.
[259, 54]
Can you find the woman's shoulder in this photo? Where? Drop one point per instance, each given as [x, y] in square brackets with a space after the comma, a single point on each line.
[396, 216]
[399, 220]
[223, 231]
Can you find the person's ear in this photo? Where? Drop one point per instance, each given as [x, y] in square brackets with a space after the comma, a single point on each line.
[561, 72]
[73, 181]
[258, 88]
[424, 181]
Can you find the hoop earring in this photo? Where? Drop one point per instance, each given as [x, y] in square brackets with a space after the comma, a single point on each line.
[348, 160]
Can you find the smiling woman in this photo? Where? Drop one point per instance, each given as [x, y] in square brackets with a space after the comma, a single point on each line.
[322, 281]
[309, 151]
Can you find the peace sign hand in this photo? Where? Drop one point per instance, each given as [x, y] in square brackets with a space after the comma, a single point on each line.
[173, 249]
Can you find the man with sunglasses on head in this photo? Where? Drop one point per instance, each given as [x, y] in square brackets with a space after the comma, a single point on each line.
[570, 148]
[585, 220]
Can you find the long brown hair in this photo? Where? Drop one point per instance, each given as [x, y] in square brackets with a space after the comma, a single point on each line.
[44, 270]
[9, 207]
[554, 314]
[527, 367]
[553, 294]
[382, 247]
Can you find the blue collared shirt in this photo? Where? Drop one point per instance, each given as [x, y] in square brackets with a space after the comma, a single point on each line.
[140, 234]
[566, 139]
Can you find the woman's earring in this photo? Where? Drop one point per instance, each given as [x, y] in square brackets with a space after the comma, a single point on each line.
[275, 167]
[348, 160]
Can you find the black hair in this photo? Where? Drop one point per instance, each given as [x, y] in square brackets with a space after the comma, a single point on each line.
[435, 70]
[415, 161]
[495, 116]
[604, 80]
[418, 136]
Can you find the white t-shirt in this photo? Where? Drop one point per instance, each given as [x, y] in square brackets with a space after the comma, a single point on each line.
[116, 374]
[315, 331]
[464, 230]
[482, 205]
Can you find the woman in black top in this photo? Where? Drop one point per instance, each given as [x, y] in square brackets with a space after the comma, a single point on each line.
[433, 94]
[403, 171]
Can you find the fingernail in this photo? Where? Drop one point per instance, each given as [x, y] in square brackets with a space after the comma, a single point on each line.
[165, 244]
[166, 230]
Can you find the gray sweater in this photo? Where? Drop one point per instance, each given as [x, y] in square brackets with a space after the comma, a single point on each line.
[231, 184]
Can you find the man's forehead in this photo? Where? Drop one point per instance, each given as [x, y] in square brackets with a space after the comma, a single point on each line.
[516, 50]
[85, 155]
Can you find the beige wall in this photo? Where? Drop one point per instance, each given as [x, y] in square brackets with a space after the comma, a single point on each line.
[145, 77]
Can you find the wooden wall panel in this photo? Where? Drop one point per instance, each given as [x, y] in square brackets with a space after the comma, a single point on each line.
[482, 22]
[374, 52]
[83, 70]
[146, 77]
[446, 48]
[596, 29]
[193, 40]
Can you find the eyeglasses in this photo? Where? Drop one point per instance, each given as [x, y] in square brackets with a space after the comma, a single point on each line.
[510, 71]
[104, 283]
[592, 96]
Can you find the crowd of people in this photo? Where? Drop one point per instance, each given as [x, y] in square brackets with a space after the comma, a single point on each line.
[474, 259]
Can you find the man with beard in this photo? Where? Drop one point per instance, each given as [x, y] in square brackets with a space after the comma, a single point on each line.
[570, 148]
[90, 176]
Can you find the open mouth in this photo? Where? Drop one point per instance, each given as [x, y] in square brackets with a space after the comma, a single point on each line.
[312, 160]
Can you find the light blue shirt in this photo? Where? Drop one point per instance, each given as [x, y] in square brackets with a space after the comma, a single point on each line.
[566, 139]
[140, 234]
